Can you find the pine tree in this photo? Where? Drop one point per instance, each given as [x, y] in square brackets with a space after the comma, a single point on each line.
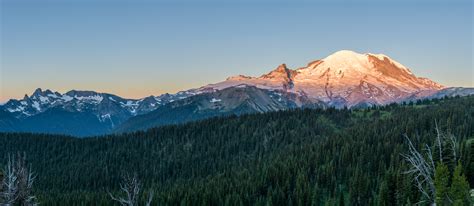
[329, 202]
[459, 191]
[315, 196]
[383, 194]
[1, 183]
[408, 202]
[441, 182]
[341, 199]
[301, 188]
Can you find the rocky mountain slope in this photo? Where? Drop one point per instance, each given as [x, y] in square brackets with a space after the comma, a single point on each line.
[236, 100]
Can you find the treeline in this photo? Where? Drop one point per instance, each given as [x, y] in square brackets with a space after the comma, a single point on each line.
[297, 157]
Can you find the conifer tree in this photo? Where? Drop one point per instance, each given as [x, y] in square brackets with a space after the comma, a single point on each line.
[441, 182]
[383, 194]
[341, 199]
[315, 196]
[459, 191]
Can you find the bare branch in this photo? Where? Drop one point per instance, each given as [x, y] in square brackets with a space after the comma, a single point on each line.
[131, 187]
[18, 182]
[438, 138]
[422, 168]
[454, 146]
[150, 198]
[10, 183]
[120, 200]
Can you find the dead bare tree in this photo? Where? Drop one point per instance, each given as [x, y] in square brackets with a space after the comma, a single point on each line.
[25, 182]
[422, 165]
[454, 145]
[10, 184]
[150, 198]
[131, 186]
[438, 138]
[446, 141]
[18, 183]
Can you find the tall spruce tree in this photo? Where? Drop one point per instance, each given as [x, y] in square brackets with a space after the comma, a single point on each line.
[441, 182]
[459, 191]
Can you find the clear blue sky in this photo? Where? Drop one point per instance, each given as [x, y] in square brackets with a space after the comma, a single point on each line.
[139, 48]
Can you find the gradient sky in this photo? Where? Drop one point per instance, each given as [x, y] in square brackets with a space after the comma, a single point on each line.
[139, 48]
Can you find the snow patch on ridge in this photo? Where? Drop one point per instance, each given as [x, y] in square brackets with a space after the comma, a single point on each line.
[96, 98]
[36, 106]
[67, 98]
[44, 99]
[213, 100]
[18, 109]
[53, 95]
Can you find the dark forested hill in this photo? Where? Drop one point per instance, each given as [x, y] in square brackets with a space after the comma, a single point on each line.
[8, 122]
[297, 157]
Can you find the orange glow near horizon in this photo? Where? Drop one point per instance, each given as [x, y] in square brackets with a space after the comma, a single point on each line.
[7, 93]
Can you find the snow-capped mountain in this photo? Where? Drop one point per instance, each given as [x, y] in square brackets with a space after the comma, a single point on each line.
[100, 103]
[345, 78]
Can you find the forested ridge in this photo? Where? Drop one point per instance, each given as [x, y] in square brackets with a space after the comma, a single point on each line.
[295, 157]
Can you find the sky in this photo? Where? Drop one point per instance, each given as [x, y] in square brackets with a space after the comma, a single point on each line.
[140, 48]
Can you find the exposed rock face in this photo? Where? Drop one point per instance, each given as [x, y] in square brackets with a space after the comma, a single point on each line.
[283, 75]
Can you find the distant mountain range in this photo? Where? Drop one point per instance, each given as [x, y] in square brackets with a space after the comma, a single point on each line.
[80, 113]
[343, 79]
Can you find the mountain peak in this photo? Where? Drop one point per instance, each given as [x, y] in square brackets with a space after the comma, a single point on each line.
[281, 67]
[238, 77]
[82, 93]
[346, 59]
[280, 72]
[345, 53]
[353, 63]
[40, 92]
[37, 92]
[343, 63]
